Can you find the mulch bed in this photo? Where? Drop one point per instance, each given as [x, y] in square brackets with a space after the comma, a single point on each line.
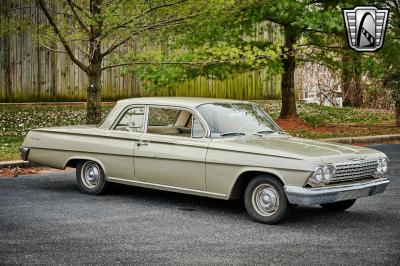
[17, 171]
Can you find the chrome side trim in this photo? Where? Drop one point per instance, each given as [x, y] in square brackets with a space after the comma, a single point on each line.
[328, 194]
[167, 187]
[129, 136]
[89, 152]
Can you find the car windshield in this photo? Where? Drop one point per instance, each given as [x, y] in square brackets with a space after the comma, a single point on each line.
[237, 119]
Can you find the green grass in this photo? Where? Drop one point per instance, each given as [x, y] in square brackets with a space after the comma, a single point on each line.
[317, 115]
[311, 134]
[9, 147]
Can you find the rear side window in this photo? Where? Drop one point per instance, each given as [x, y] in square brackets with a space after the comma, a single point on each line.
[132, 120]
[172, 121]
[162, 116]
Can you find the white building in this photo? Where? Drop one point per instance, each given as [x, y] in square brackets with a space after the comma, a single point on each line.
[317, 84]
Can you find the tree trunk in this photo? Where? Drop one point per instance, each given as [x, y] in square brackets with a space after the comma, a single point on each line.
[397, 113]
[93, 107]
[288, 109]
[358, 88]
[346, 74]
[5, 63]
[352, 88]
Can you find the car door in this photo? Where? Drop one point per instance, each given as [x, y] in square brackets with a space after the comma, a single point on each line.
[122, 138]
[172, 150]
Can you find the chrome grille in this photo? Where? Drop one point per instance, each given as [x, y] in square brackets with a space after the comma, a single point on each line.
[354, 170]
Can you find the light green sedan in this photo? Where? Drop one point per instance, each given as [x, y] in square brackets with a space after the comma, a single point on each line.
[218, 148]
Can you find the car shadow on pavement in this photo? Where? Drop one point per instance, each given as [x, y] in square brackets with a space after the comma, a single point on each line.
[304, 216]
[184, 202]
[300, 215]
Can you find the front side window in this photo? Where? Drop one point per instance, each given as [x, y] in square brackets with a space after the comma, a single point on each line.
[233, 119]
[172, 121]
[132, 120]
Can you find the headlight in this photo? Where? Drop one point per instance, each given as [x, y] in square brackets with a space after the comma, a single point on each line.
[379, 167]
[319, 175]
[382, 166]
[328, 173]
[322, 174]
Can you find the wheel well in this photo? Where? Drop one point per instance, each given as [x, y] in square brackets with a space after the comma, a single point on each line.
[73, 163]
[243, 180]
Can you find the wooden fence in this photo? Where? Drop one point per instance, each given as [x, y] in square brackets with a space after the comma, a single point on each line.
[29, 73]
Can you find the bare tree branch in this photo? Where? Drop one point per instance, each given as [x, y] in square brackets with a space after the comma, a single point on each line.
[51, 49]
[185, 63]
[151, 9]
[80, 21]
[118, 44]
[60, 36]
[144, 28]
[82, 10]
[149, 63]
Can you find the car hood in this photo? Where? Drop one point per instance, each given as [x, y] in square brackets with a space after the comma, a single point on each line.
[296, 148]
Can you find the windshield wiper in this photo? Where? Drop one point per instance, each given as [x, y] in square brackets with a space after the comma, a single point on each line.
[264, 132]
[232, 134]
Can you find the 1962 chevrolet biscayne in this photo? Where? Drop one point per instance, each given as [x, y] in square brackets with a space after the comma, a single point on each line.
[216, 148]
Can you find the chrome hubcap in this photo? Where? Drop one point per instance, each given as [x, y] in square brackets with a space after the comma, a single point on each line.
[90, 174]
[265, 199]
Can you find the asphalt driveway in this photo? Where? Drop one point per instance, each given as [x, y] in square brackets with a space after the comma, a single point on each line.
[45, 219]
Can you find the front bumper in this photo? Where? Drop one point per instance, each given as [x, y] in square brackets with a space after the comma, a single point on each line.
[311, 196]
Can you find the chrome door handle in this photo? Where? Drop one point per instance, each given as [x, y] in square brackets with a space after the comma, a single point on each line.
[142, 143]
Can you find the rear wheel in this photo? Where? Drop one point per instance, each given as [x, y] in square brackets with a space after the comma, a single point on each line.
[265, 200]
[338, 206]
[91, 178]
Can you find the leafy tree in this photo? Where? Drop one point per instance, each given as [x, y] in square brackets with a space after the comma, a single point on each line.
[381, 67]
[99, 28]
[389, 57]
[227, 42]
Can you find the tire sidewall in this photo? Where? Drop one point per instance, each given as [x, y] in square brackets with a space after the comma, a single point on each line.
[101, 185]
[283, 207]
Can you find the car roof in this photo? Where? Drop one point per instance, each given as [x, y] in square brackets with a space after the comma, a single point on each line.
[191, 102]
[185, 102]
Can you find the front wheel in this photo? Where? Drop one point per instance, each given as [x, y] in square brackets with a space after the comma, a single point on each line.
[338, 206]
[265, 200]
[91, 178]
